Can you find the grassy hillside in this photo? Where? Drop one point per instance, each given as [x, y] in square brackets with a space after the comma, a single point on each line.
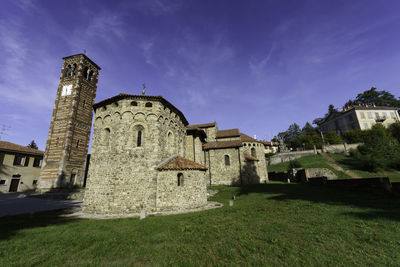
[345, 162]
[271, 224]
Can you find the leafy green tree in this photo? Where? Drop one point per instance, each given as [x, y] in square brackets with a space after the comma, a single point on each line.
[372, 96]
[32, 144]
[308, 129]
[379, 151]
[354, 136]
[332, 138]
[394, 129]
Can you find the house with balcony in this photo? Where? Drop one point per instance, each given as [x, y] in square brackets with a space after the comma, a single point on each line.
[361, 117]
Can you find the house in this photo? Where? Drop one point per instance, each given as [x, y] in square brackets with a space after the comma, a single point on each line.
[361, 117]
[19, 167]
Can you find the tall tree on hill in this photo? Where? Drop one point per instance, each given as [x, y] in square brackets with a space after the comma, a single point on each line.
[374, 97]
[308, 129]
[32, 144]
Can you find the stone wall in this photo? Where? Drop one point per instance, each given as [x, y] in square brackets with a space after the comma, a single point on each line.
[260, 165]
[191, 193]
[122, 176]
[219, 173]
[288, 156]
[340, 148]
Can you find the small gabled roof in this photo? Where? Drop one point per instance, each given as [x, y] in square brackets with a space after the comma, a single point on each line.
[222, 144]
[228, 133]
[204, 125]
[178, 163]
[11, 147]
[249, 157]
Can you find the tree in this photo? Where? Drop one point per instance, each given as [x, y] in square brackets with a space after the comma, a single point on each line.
[394, 129]
[374, 97]
[32, 144]
[292, 133]
[308, 129]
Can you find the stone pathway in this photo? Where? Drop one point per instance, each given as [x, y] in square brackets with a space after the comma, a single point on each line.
[331, 162]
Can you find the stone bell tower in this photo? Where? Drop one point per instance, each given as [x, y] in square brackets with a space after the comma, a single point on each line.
[70, 126]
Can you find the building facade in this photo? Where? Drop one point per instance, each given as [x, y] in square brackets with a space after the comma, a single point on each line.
[19, 167]
[359, 117]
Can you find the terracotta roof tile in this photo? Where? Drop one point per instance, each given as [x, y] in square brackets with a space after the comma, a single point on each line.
[145, 97]
[246, 138]
[7, 146]
[204, 125]
[228, 133]
[180, 163]
[222, 144]
[249, 157]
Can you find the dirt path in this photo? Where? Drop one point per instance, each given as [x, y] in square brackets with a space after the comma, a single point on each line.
[331, 162]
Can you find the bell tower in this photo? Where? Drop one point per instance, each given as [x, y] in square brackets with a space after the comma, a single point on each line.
[68, 139]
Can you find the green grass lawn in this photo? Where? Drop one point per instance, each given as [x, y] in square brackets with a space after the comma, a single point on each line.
[310, 161]
[317, 161]
[347, 163]
[270, 224]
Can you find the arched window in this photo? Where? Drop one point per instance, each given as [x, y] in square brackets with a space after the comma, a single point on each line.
[148, 105]
[85, 72]
[134, 103]
[180, 179]
[170, 141]
[253, 152]
[139, 139]
[106, 136]
[90, 75]
[138, 134]
[227, 161]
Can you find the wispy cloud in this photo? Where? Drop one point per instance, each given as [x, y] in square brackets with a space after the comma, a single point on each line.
[16, 85]
[157, 7]
[257, 67]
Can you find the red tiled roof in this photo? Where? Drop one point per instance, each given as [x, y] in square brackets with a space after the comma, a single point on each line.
[249, 157]
[228, 133]
[7, 146]
[145, 97]
[180, 163]
[246, 138]
[204, 125]
[222, 144]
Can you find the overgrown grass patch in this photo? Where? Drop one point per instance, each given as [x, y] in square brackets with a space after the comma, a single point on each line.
[269, 224]
[310, 161]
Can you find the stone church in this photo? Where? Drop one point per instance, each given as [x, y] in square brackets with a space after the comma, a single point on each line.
[145, 155]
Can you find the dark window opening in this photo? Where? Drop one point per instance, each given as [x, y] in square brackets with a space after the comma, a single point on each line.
[2, 182]
[37, 162]
[148, 105]
[34, 183]
[18, 160]
[26, 161]
[180, 179]
[85, 72]
[227, 161]
[253, 152]
[77, 144]
[1, 158]
[90, 75]
[71, 70]
[139, 138]
[134, 103]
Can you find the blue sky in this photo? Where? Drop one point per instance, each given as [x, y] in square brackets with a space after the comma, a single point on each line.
[254, 65]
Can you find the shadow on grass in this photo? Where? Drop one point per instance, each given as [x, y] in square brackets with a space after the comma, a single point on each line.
[375, 205]
[12, 224]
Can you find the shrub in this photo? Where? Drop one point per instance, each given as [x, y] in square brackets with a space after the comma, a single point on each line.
[293, 164]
